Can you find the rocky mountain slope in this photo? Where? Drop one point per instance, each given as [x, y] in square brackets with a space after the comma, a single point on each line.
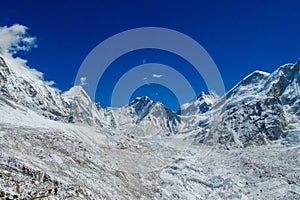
[23, 86]
[261, 108]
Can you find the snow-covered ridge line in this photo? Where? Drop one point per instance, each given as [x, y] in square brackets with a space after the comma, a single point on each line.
[268, 96]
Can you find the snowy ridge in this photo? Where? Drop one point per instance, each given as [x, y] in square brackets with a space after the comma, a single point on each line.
[75, 106]
[266, 104]
[25, 86]
[147, 116]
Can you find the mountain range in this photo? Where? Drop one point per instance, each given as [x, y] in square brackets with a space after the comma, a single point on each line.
[242, 145]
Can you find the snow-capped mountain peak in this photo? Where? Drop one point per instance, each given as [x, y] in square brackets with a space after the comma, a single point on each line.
[147, 114]
[253, 83]
[81, 108]
[141, 105]
[200, 104]
[76, 92]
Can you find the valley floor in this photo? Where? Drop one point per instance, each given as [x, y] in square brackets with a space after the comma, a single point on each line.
[43, 159]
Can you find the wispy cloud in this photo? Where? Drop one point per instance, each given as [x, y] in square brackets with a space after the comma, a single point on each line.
[157, 75]
[83, 81]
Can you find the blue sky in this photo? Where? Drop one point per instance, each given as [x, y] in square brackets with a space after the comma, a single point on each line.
[240, 36]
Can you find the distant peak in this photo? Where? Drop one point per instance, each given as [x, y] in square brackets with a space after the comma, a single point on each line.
[257, 73]
[253, 78]
[75, 91]
[144, 100]
[206, 94]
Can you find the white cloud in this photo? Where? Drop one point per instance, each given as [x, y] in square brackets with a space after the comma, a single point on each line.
[83, 81]
[14, 39]
[49, 83]
[157, 75]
